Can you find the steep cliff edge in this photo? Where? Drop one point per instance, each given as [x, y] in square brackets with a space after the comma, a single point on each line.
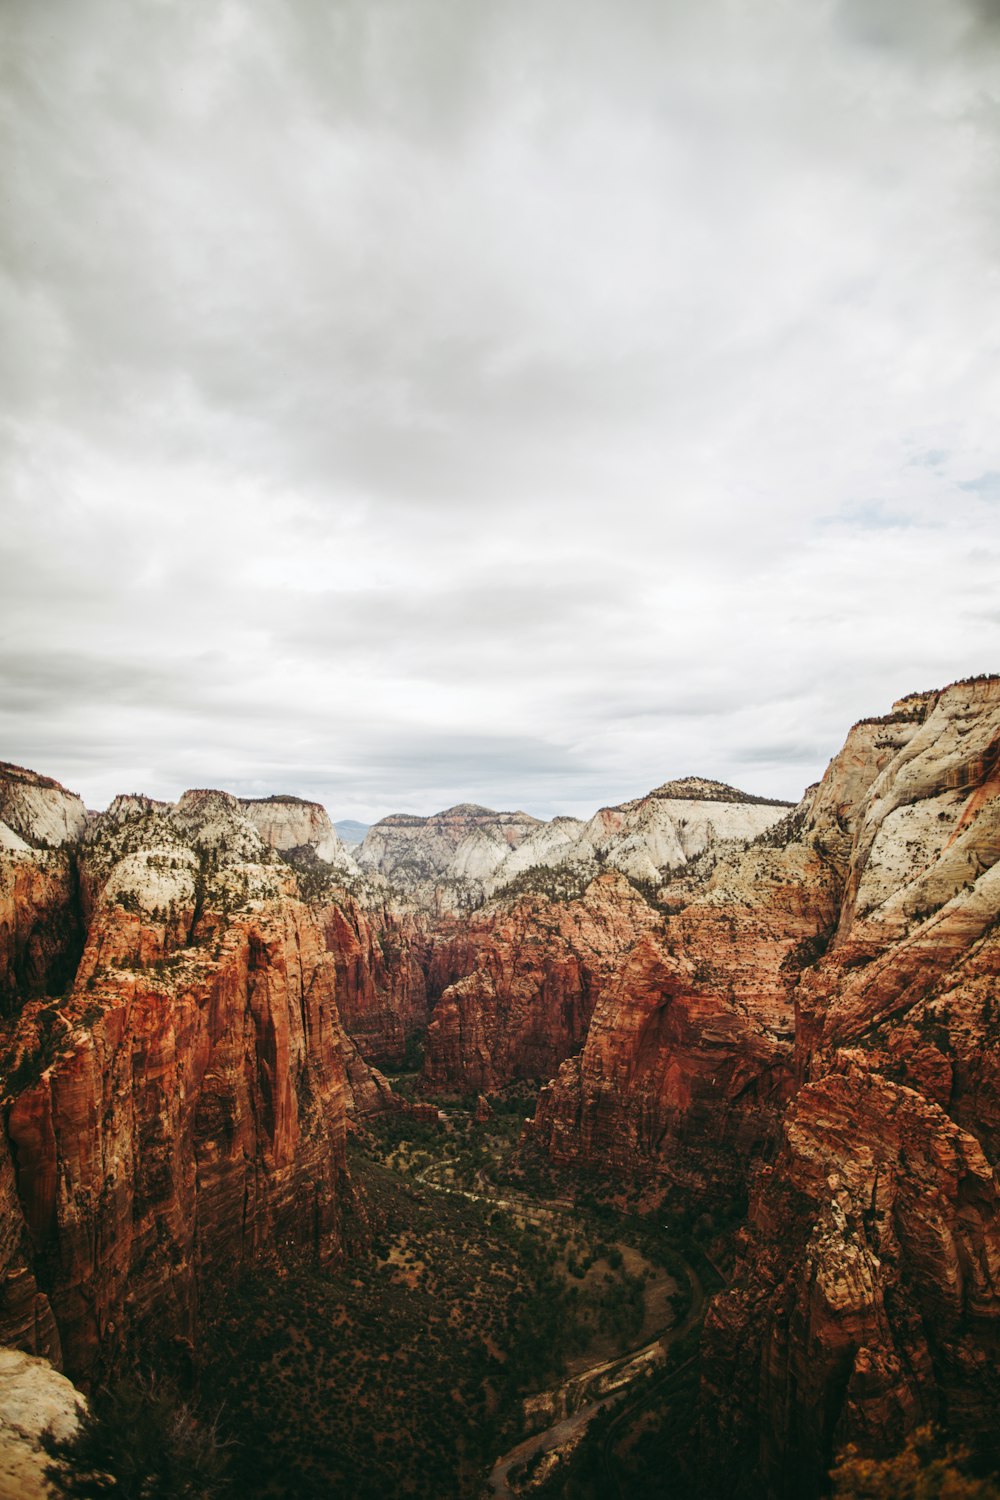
[690, 1052]
[38, 810]
[867, 1294]
[518, 981]
[824, 1006]
[288, 823]
[186, 1103]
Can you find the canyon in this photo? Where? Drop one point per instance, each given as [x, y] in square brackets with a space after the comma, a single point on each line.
[784, 1019]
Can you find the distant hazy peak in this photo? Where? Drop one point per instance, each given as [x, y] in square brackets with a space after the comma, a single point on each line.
[462, 812]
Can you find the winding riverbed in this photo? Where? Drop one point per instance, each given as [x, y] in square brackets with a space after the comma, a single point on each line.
[574, 1401]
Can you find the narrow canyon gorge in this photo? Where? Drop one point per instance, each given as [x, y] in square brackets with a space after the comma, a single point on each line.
[771, 1031]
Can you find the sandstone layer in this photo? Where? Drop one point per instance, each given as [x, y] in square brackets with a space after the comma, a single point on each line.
[825, 1005]
[518, 982]
[453, 860]
[186, 1103]
[34, 1398]
[38, 810]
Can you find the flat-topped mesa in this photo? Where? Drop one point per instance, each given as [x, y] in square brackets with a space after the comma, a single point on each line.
[288, 823]
[462, 843]
[38, 810]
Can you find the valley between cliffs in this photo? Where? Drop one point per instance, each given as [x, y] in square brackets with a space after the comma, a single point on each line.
[761, 1039]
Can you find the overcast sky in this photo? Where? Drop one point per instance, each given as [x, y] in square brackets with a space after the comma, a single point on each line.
[405, 402]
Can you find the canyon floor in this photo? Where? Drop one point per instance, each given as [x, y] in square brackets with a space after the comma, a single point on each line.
[477, 1344]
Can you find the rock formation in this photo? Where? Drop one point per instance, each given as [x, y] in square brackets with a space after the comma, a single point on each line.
[728, 996]
[37, 810]
[185, 1104]
[290, 823]
[518, 982]
[379, 955]
[34, 1398]
[451, 861]
[668, 827]
[826, 1003]
[691, 1044]
[439, 859]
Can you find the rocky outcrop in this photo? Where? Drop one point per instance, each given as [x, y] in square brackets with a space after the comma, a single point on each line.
[287, 823]
[436, 860]
[690, 1052]
[451, 861]
[866, 1299]
[34, 1399]
[37, 810]
[824, 1005]
[186, 1104]
[518, 983]
[670, 826]
[878, 1302]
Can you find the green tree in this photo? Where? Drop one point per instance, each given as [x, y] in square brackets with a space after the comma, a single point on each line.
[139, 1441]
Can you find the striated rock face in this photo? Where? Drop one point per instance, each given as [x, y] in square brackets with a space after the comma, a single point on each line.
[827, 1003]
[867, 1295]
[461, 846]
[287, 823]
[34, 1398]
[452, 860]
[379, 956]
[37, 810]
[186, 1104]
[528, 976]
[868, 1292]
[691, 1044]
[673, 824]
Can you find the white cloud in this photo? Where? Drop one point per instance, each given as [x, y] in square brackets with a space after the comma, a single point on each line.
[525, 403]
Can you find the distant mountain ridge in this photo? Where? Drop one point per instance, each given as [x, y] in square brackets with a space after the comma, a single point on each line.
[350, 832]
[475, 850]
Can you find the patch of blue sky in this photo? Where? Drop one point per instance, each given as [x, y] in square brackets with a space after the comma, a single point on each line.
[873, 515]
[986, 486]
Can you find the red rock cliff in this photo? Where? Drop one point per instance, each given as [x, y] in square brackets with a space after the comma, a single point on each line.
[188, 1104]
[518, 982]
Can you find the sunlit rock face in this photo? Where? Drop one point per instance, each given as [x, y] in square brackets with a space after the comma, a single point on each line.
[184, 1105]
[34, 1399]
[37, 811]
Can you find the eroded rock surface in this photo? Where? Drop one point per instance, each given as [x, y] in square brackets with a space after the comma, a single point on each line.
[186, 1103]
[829, 998]
[518, 982]
[34, 1398]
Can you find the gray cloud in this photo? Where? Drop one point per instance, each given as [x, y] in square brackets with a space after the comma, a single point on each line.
[408, 402]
